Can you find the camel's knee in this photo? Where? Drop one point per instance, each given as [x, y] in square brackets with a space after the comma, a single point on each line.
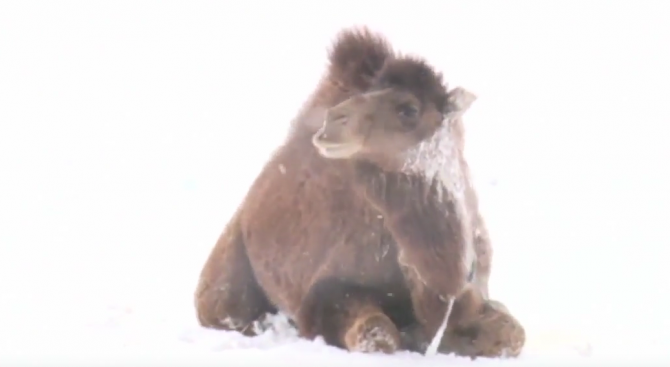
[493, 333]
[231, 307]
[212, 308]
[348, 316]
[227, 296]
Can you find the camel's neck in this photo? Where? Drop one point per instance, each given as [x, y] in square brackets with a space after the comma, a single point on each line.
[439, 159]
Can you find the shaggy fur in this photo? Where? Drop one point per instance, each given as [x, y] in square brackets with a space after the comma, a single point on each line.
[363, 250]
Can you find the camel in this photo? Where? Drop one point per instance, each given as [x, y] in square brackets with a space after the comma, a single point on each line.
[363, 227]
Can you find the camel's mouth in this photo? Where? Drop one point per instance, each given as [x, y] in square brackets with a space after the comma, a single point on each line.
[337, 151]
[332, 148]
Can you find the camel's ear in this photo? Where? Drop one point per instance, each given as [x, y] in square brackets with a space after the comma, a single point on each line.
[459, 101]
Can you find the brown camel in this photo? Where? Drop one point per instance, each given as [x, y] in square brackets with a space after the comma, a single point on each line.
[364, 224]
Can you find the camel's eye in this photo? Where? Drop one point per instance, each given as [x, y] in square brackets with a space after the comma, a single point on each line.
[408, 114]
[408, 110]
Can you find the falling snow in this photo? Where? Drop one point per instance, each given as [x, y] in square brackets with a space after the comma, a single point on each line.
[129, 132]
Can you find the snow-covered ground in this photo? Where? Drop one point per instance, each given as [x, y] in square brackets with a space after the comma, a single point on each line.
[130, 130]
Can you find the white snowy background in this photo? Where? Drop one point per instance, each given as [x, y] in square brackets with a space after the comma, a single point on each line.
[130, 130]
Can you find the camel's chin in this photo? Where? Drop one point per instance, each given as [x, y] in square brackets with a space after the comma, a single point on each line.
[339, 151]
